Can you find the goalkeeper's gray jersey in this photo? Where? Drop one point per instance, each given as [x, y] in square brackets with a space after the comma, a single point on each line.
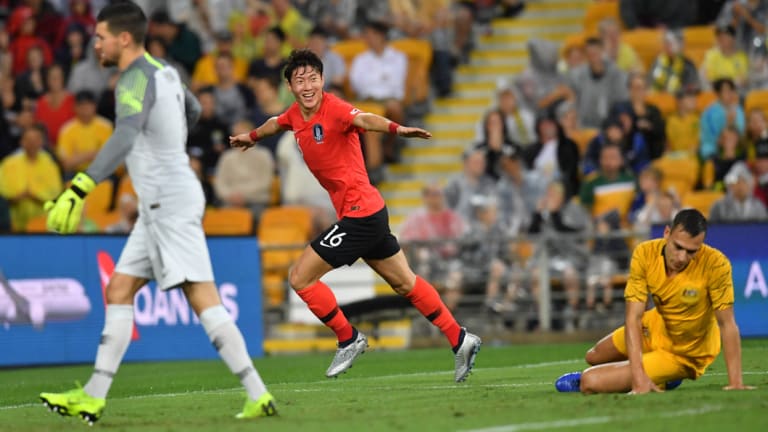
[151, 133]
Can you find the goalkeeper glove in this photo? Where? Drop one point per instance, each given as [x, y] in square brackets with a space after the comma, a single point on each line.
[64, 212]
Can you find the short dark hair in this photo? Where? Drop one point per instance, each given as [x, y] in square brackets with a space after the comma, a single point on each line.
[125, 16]
[278, 32]
[594, 41]
[718, 84]
[690, 221]
[302, 58]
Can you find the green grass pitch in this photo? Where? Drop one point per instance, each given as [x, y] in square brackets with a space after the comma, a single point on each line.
[511, 389]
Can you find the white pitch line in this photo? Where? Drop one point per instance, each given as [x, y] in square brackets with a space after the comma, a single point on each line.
[561, 424]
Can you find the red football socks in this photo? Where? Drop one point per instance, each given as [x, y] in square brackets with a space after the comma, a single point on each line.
[322, 303]
[426, 299]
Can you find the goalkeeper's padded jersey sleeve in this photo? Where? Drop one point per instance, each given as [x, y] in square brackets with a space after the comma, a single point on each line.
[686, 301]
[152, 111]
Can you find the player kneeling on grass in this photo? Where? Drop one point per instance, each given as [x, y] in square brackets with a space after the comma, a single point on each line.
[692, 290]
[167, 243]
[326, 130]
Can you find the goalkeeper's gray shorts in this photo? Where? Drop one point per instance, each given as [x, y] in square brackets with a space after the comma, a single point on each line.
[170, 250]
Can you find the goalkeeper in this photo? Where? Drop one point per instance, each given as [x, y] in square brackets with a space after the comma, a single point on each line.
[167, 243]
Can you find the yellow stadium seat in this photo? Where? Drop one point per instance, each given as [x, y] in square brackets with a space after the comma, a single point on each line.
[99, 200]
[370, 107]
[125, 187]
[699, 37]
[756, 99]
[679, 174]
[583, 137]
[619, 200]
[349, 49]
[228, 221]
[574, 40]
[286, 227]
[701, 200]
[598, 11]
[665, 102]
[705, 99]
[274, 192]
[646, 42]
[37, 224]
[695, 55]
[419, 53]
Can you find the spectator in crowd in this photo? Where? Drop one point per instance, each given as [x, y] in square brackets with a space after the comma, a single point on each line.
[519, 122]
[232, 98]
[612, 133]
[645, 117]
[378, 74]
[757, 129]
[596, 86]
[568, 119]
[81, 138]
[22, 27]
[196, 163]
[294, 26]
[273, 61]
[334, 68]
[472, 181]
[268, 104]
[88, 74]
[519, 191]
[683, 127]
[429, 20]
[620, 53]
[464, 18]
[6, 57]
[72, 50]
[157, 48]
[49, 20]
[299, 187]
[726, 111]
[554, 156]
[648, 190]
[541, 78]
[485, 254]
[656, 13]
[244, 45]
[757, 76]
[29, 178]
[208, 136]
[608, 257]
[31, 84]
[611, 183]
[725, 59]
[559, 220]
[205, 68]
[658, 212]
[80, 15]
[738, 205]
[729, 153]
[183, 45]
[761, 170]
[493, 141]
[440, 228]
[334, 18]
[56, 106]
[127, 207]
[573, 54]
[672, 71]
[244, 178]
[106, 105]
[748, 18]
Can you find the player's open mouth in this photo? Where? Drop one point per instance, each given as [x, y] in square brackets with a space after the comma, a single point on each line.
[308, 96]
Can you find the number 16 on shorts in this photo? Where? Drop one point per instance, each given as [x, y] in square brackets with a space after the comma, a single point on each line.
[333, 239]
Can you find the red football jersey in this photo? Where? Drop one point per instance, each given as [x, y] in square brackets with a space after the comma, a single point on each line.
[330, 145]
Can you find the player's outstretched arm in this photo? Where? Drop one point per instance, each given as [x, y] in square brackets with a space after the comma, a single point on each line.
[641, 382]
[248, 140]
[377, 123]
[732, 348]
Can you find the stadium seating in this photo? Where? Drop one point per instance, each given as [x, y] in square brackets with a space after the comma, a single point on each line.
[665, 102]
[619, 200]
[696, 41]
[679, 174]
[99, 200]
[756, 99]
[582, 137]
[646, 42]
[705, 99]
[125, 186]
[228, 221]
[419, 53]
[105, 219]
[37, 224]
[598, 11]
[701, 200]
[348, 49]
[275, 192]
[285, 229]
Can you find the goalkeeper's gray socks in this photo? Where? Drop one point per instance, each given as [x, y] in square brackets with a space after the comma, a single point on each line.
[118, 326]
[229, 342]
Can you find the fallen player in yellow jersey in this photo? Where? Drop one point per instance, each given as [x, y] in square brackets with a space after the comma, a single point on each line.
[691, 286]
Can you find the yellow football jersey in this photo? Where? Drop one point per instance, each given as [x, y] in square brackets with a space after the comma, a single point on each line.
[686, 301]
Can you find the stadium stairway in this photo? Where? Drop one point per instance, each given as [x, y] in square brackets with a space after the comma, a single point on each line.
[452, 121]
[501, 54]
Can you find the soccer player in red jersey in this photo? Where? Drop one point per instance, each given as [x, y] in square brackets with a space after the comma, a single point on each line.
[326, 129]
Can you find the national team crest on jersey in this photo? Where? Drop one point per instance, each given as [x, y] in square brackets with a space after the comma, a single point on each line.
[317, 132]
